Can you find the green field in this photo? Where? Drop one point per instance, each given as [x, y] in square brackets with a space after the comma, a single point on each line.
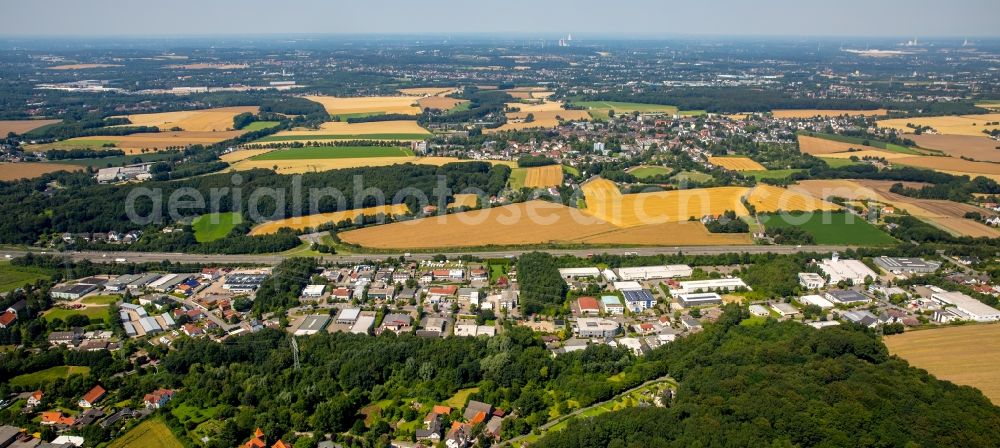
[345, 117]
[387, 136]
[186, 412]
[831, 228]
[643, 172]
[460, 107]
[458, 400]
[860, 141]
[258, 125]
[44, 376]
[693, 176]
[572, 171]
[94, 313]
[100, 299]
[771, 174]
[104, 162]
[621, 107]
[13, 277]
[213, 226]
[152, 433]
[80, 143]
[335, 152]
[517, 177]
[837, 163]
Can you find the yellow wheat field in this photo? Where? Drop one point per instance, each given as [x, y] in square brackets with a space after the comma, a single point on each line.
[736, 163]
[236, 156]
[317, 165]
[810, 113]
[440, 102]
[605, 201]
[543, 176]
[877, 153]
[367, 104]
[768, 198]
[528, 223]
[28, 170]
[22, 126]
[952, 125]
[206, 120]
[312, 221]
[544, 117]
[948, 353]
[345, 128]
[821, 146]
[427, 91]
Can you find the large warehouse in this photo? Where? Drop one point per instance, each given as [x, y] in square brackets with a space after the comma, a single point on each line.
[655, 272]
[971, 308]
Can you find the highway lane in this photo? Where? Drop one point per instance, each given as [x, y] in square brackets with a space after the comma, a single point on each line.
[141, 257]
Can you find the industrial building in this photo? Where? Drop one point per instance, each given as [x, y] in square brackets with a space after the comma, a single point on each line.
[312, 324]
[654, 272]
[845, 297]
[852, 271]
[688, 300]
[596, 327]
[638, 300]
[899, 265]
[719, 284]
[612, 305]
[967, 307]
[811, 280]
[816, 300]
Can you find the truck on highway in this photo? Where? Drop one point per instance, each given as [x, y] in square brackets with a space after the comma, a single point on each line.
[119, 260]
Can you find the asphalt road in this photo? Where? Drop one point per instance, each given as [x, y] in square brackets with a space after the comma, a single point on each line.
[140, 257]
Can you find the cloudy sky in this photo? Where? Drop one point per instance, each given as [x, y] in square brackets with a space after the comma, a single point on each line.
[926, 18]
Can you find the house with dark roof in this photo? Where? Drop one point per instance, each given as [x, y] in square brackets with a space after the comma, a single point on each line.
[476, 407]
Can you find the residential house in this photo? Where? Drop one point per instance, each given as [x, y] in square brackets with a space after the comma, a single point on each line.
[157, 398]
[92, 397]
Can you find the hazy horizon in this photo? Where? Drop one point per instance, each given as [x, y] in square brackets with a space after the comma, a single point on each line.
[584, 18]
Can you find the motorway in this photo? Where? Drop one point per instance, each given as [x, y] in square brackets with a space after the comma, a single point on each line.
[141, 257]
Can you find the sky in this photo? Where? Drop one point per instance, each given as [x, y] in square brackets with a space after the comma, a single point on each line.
[838, 18]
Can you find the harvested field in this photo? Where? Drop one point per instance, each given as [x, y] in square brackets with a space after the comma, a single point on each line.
[28, 170]
[810, 113]
[736, 163]
[135, 143]
[209, 66]
[768, 198]
[81, 66]
[440, 102]
[22, 126]
[974, 147]
[877, 153]
[605, 201]
[954, 164]
[947, 353]
[818, 146]
[303, 222]
[311, 166]
[236, 156]
[367, 104]
[528, 223]
[207, 120]
[543, 176]
[546, 115]
[972, 125]
[847, 189]
[464, 200]
[427, 91]
[334, 152]
[343, 128]
[622, 107]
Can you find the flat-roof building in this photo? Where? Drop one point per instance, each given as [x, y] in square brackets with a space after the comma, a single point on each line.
[811, 280]
[819, 301]
[612, 305]
[348, 316]
[655, 272]
[969, 308]
[639, 300]
[574, 273]
[312, 324]
[627, 286]
[363, 324]
[596, 327]
[71, 292]
[852, 271]
[906, 265]
[688, 300]
[845, 297]
[313, 291]
[719, 284]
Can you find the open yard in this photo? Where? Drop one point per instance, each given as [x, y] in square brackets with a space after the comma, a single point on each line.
[51, 374]
[94, 313]
[302, 222]
[213, 226]
[206, 120]
[967, 354]
[28, 170]
[768, 198]
[367, 104]
[736, 163]
[152, 433]
[810, 113]
[334, 152]
[13, 277]
[22, 126]
[952, 124]
[831, 227]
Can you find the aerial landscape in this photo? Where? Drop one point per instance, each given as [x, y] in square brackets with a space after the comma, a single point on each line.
[548, 224]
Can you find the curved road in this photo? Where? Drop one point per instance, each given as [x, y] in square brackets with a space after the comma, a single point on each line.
[139, 257]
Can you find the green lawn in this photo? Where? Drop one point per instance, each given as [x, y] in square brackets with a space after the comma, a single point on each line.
[101, 299]
[77, 143]
[186, 412]
[335, 152]
[571, 170]
[44, 376]
[345, 117]
[831, 228]
[458, 400]
[643, 172]
[621, 107]
[13, 277]
[93, 313]
[771, 174]
[152, 433]
[213, 226]
[694, 176]
[860, 141]
[460, 107]
[317, 137]
[104, 162]
[258, 125]
[837, 163]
